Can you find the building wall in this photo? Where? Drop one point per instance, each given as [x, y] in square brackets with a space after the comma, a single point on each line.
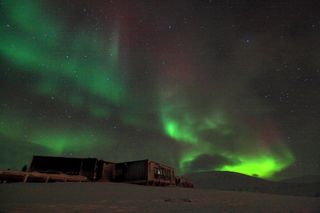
[71, 166]
[160, 174]
[134, 171]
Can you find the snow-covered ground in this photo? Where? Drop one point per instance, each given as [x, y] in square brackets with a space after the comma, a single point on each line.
[113, 197]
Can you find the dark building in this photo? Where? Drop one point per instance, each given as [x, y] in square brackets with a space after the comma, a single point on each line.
[92, 168]
[140, 172]
[52, 169]
[144, 172]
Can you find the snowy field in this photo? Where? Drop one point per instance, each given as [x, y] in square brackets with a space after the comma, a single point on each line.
[113, 197]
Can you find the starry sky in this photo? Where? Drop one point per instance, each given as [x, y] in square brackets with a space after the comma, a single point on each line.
[206, 85]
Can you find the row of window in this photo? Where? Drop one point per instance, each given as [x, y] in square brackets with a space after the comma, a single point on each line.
[162, 173]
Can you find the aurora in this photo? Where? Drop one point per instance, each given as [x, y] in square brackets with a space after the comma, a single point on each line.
[111, 80]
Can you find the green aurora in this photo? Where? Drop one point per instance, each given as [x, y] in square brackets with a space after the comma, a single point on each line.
[248, 158]
[83, 71]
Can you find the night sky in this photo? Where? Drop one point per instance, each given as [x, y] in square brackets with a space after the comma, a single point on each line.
[200, 85]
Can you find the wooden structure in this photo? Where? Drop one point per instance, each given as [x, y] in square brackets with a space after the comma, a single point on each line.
[7, 176]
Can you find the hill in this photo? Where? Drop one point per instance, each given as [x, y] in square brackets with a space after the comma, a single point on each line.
[232, 181]
[303, 179]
